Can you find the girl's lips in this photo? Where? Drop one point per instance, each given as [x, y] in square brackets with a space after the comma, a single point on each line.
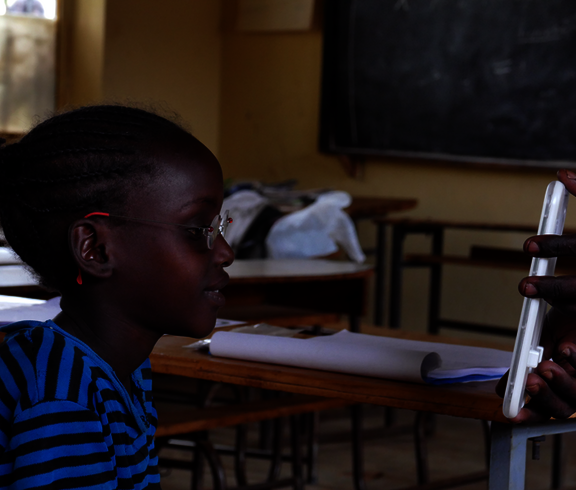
[215, 297]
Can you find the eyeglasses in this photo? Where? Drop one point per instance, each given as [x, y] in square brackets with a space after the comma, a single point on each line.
[218, 227]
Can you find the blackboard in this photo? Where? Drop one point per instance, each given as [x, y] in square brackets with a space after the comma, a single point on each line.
[489, 81]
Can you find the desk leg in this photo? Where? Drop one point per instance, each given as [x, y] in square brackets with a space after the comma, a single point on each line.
[396, 259]
[435, 283]
[380, 276]
[354, 323]
[357, 414]
[508, 450]
[507, 457]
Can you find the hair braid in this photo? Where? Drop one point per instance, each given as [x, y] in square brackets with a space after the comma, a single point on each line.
[76, 162]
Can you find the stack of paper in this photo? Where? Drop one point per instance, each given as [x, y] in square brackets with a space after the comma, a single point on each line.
[369, 355]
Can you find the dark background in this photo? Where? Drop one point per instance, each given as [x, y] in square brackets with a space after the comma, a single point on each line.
[471, 80]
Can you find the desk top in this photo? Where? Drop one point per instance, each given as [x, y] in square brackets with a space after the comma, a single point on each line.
[470, 400]
[363, 207]
[430, 224]
[272, 270]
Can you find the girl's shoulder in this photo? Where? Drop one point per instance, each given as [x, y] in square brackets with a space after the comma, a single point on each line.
[44, 363]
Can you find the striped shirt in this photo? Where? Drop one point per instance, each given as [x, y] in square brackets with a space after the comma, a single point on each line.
[66, 421]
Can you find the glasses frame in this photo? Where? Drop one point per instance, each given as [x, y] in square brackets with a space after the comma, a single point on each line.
[218, 227]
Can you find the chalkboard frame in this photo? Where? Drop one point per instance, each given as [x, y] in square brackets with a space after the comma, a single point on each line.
[335, 68]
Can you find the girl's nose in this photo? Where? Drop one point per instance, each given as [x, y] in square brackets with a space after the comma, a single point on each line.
[223, 252]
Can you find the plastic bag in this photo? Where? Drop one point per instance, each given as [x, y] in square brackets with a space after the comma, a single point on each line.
[316, 230]
[244, 207]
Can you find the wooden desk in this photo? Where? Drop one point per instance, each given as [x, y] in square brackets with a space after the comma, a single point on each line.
[364, 207]
[310, 285]
[479, 256]
[470, 400]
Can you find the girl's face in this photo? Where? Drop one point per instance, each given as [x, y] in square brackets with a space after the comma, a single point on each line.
[168, 280]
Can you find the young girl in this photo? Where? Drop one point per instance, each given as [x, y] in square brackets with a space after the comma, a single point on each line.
[117, 209]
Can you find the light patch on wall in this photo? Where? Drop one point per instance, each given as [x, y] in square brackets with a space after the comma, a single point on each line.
[27, 81]
[274, 15]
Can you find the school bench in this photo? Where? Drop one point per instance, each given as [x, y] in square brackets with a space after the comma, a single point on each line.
[436, 259]
[183, 426]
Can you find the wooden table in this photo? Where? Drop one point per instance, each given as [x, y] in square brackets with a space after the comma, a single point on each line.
[365, 207]
[470, 400]
[479, 256]
[307, 284]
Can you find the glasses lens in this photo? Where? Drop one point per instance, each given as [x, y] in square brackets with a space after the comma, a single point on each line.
[211, 237]
[219, 226]
[224, 224]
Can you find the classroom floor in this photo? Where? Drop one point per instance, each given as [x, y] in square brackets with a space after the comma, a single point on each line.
[456, 448]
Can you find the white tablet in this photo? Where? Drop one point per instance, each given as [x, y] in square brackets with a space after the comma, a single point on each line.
[527, 353]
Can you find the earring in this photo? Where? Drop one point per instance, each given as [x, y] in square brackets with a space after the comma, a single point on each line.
[79, 278]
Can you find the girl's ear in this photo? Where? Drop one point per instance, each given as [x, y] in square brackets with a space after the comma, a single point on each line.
[90, 244]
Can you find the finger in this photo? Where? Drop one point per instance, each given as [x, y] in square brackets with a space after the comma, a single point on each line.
[551, 245]
[555, 290]
[558, 399]
[568, 178]
[533, 411]
[546, 401]
[565, 356]
[528, 415]
[559, 381]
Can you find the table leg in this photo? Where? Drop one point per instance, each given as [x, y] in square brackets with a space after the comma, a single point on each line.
[508, 450]
[354, 323]
[507, 457]
[396, 259]
[380, 274]
[297, 472]
[557, 461]
[435, 292]
[357, 414]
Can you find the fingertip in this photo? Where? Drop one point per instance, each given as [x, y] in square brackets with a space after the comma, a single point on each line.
[568, 178]
[571, 175]
[546, 366]
[565, 353]
[533, 389]
[530, 246]
[527, 288]
[525, 415]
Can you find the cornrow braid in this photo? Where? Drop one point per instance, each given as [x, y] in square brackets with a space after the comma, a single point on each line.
[68, 178]
[73, 163]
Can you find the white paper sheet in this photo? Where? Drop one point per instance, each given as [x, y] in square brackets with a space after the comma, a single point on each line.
[368, 355]
[41, 311]
[15, 309]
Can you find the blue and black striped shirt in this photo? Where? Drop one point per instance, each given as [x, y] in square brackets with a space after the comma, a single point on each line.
[66, 421]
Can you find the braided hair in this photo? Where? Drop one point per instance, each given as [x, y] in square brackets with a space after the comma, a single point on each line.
[85, 160]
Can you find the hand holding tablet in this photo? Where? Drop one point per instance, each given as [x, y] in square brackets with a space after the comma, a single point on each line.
[527, 352]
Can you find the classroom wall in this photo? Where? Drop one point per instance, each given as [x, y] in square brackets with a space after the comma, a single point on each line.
[81, 59]
[269, 131]
[162, 54]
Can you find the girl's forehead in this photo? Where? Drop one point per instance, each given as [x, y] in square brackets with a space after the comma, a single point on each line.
[183, 183]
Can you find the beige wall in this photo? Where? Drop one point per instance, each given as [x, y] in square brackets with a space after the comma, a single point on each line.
[269, 131]
[164, 54]
[83, 32]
